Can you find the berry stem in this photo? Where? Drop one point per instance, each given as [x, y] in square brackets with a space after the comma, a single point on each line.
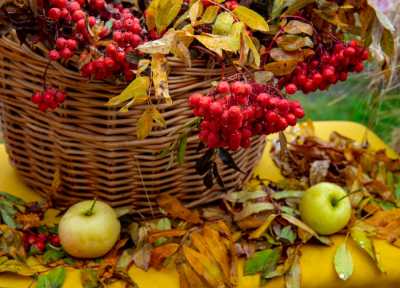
[90, 211]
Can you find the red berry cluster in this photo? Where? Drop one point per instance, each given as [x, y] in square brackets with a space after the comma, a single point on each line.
[36, 243]
[325, 68]
[235, 112]
[231, 5]
[122, 28]
[51, 98]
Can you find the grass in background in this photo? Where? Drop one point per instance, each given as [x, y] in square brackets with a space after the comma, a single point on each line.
[349, 101]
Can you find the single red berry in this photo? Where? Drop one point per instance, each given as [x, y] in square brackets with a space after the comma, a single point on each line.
[328, 73]
[248, 89]
[118, 36]
[212, 140]
[77, 15]
[365, 54]
[343, 76]
[64, 13]
[99, 4]
[73, 6]
[55, 240]
[40, 245]
[81, 25]
[135, 40]
[249, 113]
[281, 123]
[317, 78]
[154, 35]
[234, 140]
[60, 3]
[47, 97]
[111, 50]
[246, 133]
[37, 97]
[43, 106]
[216, 109]
[301, 79]
[223, 87]
[283, 106]
[353, 43]
[237, 88]
[54, 14]
[203, 135]
[291, 88]
[245, 143]
[109, 62]
[92, 21]
[120, 56]
[349, 52]
[42, 237]
[66, 53]
[271, 117]
[359, 67]
[205, 102]
[298, 112]
[60, 97]
[291, 119]
[72, 44]
[136, 28]
[61, 43]
[54, 55]
[231, 5]
[32, 239]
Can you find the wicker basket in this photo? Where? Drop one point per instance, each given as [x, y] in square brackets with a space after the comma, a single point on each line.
[93, 148]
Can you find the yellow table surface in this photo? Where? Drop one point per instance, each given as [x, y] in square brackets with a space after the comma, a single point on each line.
[316, 261]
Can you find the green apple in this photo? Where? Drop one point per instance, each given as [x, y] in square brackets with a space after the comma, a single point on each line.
[326, 208]
[89, 229]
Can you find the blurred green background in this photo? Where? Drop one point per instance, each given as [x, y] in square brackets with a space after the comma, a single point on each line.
[352, 100]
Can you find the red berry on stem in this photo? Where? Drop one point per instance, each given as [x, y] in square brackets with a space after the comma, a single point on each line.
[223, 87]
[73, 6]
[72, 44]
[291, 88]
[216, 109]
[349, 52]
[238, 88]
[365, 54]
[54, 55]
[359, 67]
[298, 112]
[54, 14]
[291, 119]
[92, 21]
[37, 97]
[66, 53]
[99, 5]
[60, 43]
[77, 15]
[40, 245]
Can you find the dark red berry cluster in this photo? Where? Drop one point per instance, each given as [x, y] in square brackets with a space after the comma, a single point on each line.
[233, 113]
[36, 243]
[121, 28]
[51, 98]
[326, 67]
[231, 5]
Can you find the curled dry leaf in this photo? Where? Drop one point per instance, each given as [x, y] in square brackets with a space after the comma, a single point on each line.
[175, 209]
[160, 253]
[387, 224]
[159, 70]
[298, 27]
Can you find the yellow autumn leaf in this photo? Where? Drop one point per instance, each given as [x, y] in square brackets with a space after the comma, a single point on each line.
[167, 10]
[157, 117]
[251, 18]
[204, 267]
[14, 266]
[209, 15]
[159, 46]
[51, 217]
[142, 66]
[260, 230]
[151, 14]
[195, 11]
[182, 52]
[249, 42]
[137, 90]
[145, 124]
[159, 71]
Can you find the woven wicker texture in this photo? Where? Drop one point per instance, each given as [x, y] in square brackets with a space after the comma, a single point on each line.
[93, 147]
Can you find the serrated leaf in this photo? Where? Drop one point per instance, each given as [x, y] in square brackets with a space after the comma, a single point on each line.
[298, 27]
[223, 24]
[159, 46]
[195, 11]
[383, 19]
[281, 68]
[343, 262]
[159, 70]
[293, 42]
[209, 15]
[263, 261]
[251, 18]
[254, 51]
[137, 90]
[387, 43]
[182, 149]
[166, 12]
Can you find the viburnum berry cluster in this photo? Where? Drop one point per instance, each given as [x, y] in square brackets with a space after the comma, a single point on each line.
[35, 243]
[233, 113]
[122, 29]
[50, 98]
[326, 67]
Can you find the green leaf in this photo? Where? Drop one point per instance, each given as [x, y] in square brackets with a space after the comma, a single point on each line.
[54, 279]
[209, 15]
[89, 278]
[293, 276]
[251, 18]
[166, 12]
[262, 261]
[182, 149]
[362, 240]
[397, 191]
[287, 194]
[137, 90]
[8, 219]
[52, 255]
[343, 262]
[12, 198]
[288, 234]
[383, 19]
[223, 24]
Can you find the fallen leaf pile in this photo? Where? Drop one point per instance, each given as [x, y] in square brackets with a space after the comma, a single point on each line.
[254, 231]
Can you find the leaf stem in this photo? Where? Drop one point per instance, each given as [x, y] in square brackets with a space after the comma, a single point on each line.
[90, 211]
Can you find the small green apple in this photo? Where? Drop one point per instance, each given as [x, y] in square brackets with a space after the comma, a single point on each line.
[89, 229]
[325, 208]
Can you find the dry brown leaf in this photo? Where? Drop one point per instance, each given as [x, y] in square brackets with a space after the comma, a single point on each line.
[387, 225]
[155, 235]
[188, 278]
[204, 267]
[28, 220]
[160, 253]
[176, 210]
